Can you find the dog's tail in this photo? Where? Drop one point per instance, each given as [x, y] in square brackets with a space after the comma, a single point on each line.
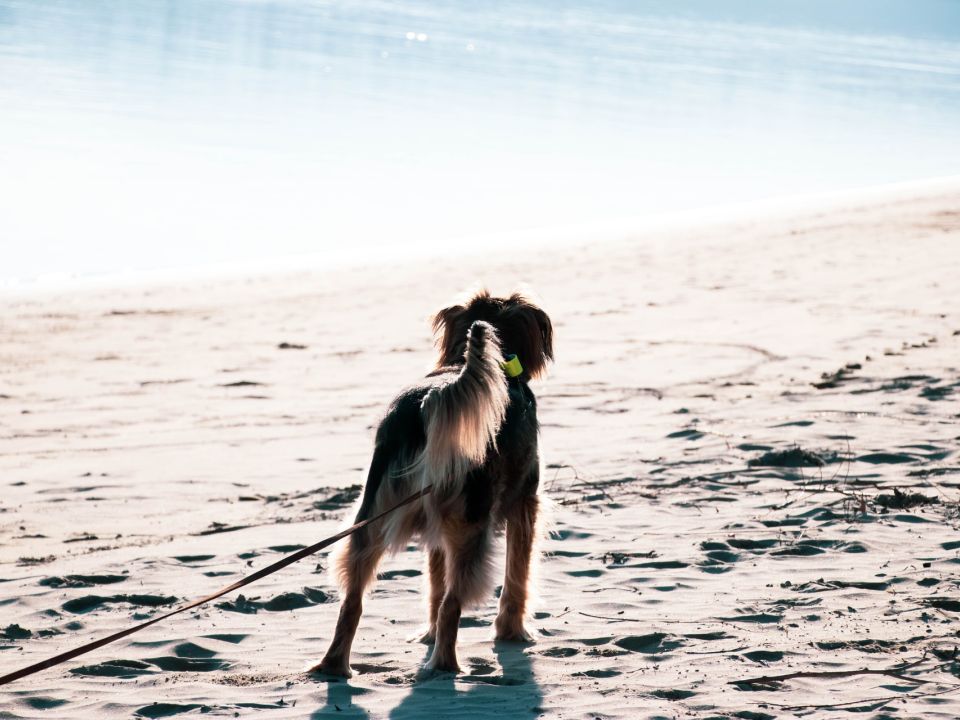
[463, 416]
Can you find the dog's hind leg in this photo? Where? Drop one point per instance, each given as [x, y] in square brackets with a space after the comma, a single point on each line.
[356, 566]
[467, 555]
[521, 529]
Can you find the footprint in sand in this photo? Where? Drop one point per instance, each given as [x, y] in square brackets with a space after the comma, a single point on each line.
[764, 657]
[88, 603]
[162, 710]
[673, 694]
[281, 603]
[649, 644]
[81, 581]
[560, 652]
[43, 703]
[122, 669]
[190, 559]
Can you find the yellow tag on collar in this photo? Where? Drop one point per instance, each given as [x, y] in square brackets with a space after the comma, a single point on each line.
[511, 366]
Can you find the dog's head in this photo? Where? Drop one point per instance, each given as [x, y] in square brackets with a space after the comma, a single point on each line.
[524, 329]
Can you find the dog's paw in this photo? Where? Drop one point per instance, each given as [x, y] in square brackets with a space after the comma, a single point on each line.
[427, 637]
[514, 635]
[440, 663]
[338, 667]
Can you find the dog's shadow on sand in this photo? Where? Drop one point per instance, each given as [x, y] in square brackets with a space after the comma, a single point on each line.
[510, 691]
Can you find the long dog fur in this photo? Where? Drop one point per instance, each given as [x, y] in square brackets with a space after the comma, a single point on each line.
[463, 416]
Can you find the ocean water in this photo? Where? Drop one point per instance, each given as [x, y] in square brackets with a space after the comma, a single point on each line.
[150, 134]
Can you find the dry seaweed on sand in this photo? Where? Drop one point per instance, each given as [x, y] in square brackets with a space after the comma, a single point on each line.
[900, 500]
[836, 378]
[794, 457]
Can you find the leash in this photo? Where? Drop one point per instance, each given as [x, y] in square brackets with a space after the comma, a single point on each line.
[262, 573]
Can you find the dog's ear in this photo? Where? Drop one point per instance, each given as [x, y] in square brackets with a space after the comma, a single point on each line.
[446, 329]
[534, 342]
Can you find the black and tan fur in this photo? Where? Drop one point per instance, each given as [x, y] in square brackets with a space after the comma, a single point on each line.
[470, 432]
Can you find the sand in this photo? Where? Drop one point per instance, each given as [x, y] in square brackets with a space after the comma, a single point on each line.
[750, 441]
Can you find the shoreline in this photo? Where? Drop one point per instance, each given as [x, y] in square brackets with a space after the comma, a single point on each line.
[614, 231]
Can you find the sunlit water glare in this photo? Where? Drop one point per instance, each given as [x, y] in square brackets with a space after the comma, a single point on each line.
[156, 134]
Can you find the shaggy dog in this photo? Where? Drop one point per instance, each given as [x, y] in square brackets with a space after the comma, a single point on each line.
[470, 430]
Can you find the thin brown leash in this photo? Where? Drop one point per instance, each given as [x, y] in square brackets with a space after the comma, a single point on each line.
[262, 573]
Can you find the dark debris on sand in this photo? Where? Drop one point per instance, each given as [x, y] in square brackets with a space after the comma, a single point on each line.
[794, 457]
[899, 500]
[15, 632]
[337, 499]
[837, 377]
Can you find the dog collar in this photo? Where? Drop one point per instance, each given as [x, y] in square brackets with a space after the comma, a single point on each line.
[511, 366]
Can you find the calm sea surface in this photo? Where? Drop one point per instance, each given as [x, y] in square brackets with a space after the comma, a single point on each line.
[156, 134]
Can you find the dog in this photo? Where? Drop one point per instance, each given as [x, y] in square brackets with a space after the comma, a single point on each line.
[470, 431]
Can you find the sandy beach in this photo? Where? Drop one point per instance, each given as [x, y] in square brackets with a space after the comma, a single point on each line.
[750, 442]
